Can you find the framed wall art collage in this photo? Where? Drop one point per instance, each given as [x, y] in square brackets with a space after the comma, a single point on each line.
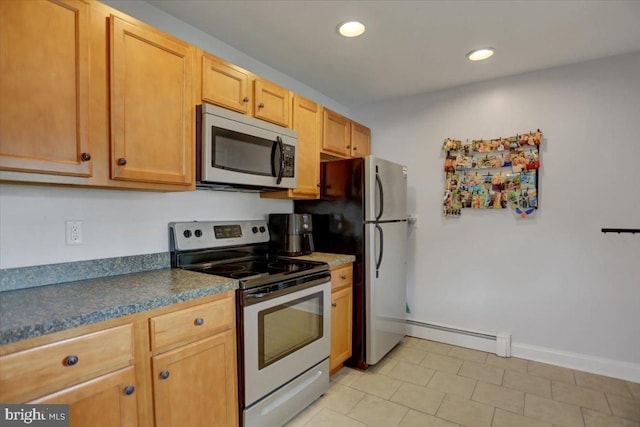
[497, 173]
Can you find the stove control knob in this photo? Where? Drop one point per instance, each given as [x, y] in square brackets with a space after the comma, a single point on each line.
[187, 233]
[262, 229]
[255, 230]
[198, 233]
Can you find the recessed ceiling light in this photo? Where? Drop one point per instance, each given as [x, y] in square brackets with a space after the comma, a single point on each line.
[351, 29]
[480, 54]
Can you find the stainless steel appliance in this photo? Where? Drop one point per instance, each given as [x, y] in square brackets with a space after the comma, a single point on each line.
[283, 315]
[241, 153]
[363, 211]
[291, 234]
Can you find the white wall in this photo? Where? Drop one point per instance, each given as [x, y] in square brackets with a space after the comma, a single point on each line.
[115, 223]
[554, 281]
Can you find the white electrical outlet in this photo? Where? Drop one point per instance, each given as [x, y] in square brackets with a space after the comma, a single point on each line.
[74, 232]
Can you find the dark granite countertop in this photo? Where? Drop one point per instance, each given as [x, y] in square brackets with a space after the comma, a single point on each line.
[334, 260]
[28, 313]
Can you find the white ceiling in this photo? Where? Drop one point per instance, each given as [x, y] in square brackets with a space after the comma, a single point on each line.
[414, 46]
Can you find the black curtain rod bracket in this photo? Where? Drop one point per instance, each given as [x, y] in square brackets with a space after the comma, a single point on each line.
[621, 230]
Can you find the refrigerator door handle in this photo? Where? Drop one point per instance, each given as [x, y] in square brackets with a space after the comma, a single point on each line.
[379, 260]
[381, 198]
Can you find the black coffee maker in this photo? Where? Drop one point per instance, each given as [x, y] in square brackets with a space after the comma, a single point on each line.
[291, 234]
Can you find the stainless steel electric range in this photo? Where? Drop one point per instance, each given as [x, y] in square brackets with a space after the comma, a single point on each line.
[283, 315]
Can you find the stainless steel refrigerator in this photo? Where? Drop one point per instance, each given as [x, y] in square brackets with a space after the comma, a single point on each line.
[363, 211]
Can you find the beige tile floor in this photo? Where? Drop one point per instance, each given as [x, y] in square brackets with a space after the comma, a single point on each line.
[428, 384]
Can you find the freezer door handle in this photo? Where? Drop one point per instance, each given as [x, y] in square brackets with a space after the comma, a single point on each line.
[379, 259]
[381, 198]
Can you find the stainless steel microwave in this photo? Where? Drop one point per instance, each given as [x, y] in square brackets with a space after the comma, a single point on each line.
[241, 153]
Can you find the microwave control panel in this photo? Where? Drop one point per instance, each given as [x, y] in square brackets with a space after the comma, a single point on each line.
[289, 154]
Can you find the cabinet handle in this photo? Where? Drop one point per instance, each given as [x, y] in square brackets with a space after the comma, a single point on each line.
[85, 157]
[355, 148]
[261, 105]
[245, 99]
[129, 390]
[71, 360]
[164, 375]
[334, 304]
[122, 161]
[348, 146]
[199, 321]
[343, 277]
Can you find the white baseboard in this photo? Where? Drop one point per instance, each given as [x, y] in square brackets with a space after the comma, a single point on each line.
[580, 362]
[453, 338]
[485, 341]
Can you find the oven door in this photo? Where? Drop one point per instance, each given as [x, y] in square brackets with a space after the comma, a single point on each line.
[284, 336]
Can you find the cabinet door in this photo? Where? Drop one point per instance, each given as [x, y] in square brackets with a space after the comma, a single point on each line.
[151, 106]
[341, 310]
[307, 120]
[44, 88]
[107, 401]
[271, 102]
[225, 85]
[360, 140]
[195, 385]
[336, 135]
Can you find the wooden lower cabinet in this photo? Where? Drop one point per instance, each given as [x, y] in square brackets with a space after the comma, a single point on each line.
[341, 316]
[195, 385]
[107, 401]
[124, 372]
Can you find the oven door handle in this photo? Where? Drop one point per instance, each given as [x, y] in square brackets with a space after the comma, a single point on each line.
[256, 296]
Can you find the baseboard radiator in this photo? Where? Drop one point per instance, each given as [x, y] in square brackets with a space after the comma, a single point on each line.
[499, 343]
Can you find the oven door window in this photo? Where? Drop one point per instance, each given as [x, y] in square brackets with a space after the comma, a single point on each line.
[286, 328]
[245, 153]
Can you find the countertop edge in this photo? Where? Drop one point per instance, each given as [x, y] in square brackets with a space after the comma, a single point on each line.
[13, 334]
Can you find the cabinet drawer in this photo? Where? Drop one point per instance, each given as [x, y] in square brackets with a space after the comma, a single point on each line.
[191, 323]
[342, 276]
[34, 372]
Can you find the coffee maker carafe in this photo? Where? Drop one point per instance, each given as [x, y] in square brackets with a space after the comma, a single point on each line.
[291, 234]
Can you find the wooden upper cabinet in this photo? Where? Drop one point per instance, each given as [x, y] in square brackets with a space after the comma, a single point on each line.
[307, 120]
[225, 85]
[44, 87]
[152, 111]
[336, 134]
[271, 102]
[360, 140]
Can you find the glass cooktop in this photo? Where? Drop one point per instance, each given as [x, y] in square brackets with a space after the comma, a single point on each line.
[255, 269]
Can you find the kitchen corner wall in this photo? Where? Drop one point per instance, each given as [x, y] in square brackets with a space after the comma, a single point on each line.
[115, 223]
[567, 293]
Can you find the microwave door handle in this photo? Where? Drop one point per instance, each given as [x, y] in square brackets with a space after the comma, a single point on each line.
[281, 171]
